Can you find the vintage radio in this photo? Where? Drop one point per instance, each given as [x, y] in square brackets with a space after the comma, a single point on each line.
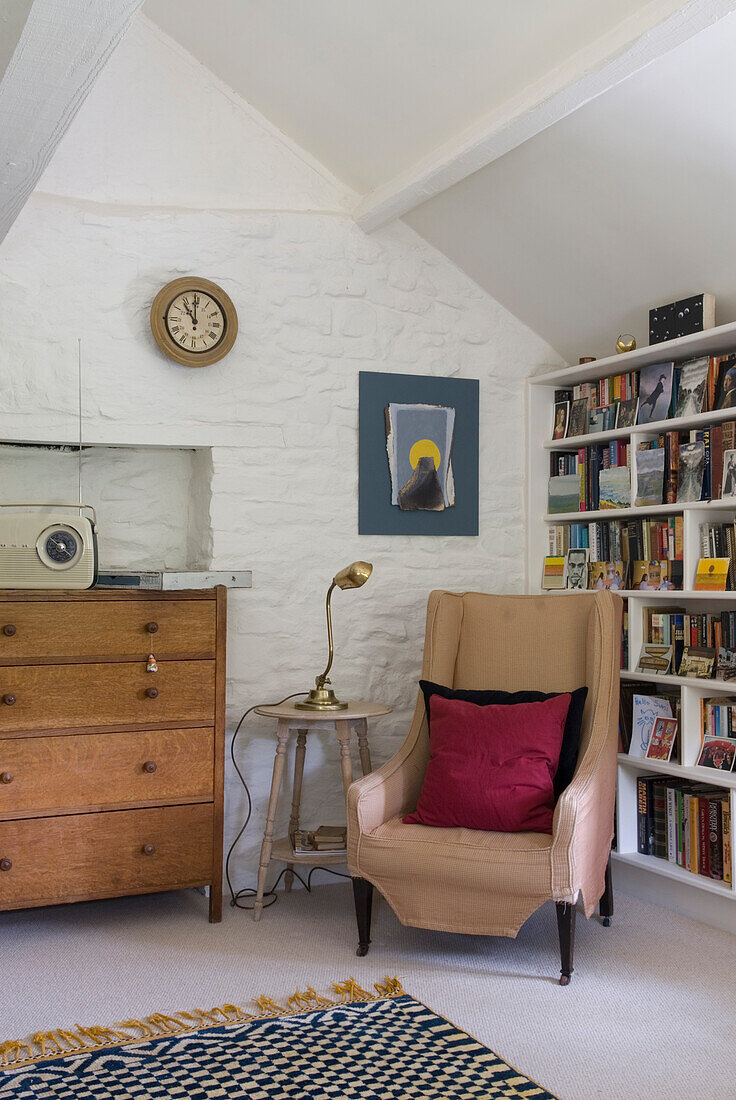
[47, 548]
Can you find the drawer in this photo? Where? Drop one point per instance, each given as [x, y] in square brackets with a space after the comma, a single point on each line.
[54, 859]
[49, 697]
[73, 773]
[106, 628]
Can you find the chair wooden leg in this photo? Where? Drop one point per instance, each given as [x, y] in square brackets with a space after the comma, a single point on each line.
[363, 895]
[605, 905]
[566, 930]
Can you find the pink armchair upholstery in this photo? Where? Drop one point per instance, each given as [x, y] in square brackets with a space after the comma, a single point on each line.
[460, 880]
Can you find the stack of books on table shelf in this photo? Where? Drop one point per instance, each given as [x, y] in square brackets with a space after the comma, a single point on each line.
[327, 838]
[592, 478]
[686, 823]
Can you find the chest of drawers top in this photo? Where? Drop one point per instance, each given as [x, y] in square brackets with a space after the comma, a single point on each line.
[92, 626]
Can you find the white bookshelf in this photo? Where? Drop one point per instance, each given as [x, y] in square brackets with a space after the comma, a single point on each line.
[655, 879]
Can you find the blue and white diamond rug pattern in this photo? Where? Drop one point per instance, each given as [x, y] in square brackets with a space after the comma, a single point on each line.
[383, 1046]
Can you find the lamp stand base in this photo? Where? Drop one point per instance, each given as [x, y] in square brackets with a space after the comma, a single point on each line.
[321, 699]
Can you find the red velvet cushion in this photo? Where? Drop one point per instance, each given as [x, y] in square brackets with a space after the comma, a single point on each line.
[492, 768]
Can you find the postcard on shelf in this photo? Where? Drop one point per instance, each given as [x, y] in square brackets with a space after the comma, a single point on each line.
[651, 576]
[610, 575]
[564, 494]
[712, 575]
[626, 413]
[614, 488]
[728, 485]
[690, 470]
[697, 661]
[717, 752]
[655, 658]
[650, 476]
[726, 385]
[693, 379]
[578, 422]
[562, 415]
[554, 574]
[645, 709]
[577, 569]
[726, 664]
[662, 739]
[598, 420]
[655, 392]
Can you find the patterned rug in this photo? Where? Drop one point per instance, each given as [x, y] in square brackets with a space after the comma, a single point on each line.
[372, 1046]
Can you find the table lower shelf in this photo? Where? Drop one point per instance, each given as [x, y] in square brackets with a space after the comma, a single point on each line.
[283, 852]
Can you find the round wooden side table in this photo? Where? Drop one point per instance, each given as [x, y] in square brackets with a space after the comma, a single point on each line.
[304, 721]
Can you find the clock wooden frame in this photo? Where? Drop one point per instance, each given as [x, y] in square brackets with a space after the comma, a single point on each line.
[165, 341]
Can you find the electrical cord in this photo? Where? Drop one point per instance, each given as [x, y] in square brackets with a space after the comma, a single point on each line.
[269, 896]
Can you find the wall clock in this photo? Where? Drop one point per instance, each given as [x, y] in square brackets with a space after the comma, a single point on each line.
[194, 321]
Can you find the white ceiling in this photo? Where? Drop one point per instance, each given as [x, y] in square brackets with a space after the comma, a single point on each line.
[371, 86]
[626, 204]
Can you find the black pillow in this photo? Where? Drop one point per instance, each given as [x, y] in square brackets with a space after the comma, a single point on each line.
[570, 734]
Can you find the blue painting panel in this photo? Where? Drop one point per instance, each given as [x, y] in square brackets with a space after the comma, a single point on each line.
[376, 514]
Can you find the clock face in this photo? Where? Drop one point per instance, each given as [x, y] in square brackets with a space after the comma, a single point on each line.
[195, 321]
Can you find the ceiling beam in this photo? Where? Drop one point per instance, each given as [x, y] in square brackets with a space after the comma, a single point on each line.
[646, 35]
[60, 51]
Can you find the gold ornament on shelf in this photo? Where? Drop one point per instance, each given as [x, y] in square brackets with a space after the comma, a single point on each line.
[625, 342]
[321, 697]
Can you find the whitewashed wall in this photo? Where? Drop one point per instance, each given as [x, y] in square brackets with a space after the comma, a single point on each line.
[120, 211]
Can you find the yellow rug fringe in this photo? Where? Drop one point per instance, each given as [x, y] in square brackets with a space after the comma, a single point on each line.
[60, 1042]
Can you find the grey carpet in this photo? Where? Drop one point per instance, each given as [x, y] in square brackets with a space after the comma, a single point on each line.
[649, 1012]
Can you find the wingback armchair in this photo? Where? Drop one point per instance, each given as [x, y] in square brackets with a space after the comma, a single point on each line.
[461, 880]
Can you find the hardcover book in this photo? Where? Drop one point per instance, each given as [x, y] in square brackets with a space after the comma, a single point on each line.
[650, 476]
[690, 470]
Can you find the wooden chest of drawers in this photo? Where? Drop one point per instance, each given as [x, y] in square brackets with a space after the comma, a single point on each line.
[111, 776]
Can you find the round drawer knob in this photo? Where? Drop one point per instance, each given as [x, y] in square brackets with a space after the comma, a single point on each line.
[9, 630]
[151, 692]
[149, 766]
[151, 627]
[8, 699]
[148, 849]
[5, 864]
[6, 777]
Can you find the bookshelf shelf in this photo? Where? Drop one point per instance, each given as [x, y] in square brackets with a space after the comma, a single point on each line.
[646, 510]
[714, 341]
[671, 870]
[705, 898]
[712, 686]
[680, 771]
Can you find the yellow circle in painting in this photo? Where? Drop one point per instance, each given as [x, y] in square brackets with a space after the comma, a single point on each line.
[421, 449]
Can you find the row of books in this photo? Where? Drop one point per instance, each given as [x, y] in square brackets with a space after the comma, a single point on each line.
[718, 541]
[621, 540]
[615, 453]
[686, 823]
[718, 716]
[714, 631]
[604, 391]
[688, 466]
[657, 392]
[597, 477]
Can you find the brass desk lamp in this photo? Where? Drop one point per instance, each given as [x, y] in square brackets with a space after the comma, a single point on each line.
[320, 697]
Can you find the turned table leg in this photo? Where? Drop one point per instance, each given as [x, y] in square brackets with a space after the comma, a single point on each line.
[365, 752]
[301, 752]
[282, 735]
[343, 735]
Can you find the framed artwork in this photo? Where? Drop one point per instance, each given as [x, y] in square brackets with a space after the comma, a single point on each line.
[418, 455]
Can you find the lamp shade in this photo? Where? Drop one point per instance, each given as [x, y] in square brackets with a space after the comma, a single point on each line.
[354, 575]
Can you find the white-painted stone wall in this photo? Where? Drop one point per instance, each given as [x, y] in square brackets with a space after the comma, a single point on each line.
[318, 301]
